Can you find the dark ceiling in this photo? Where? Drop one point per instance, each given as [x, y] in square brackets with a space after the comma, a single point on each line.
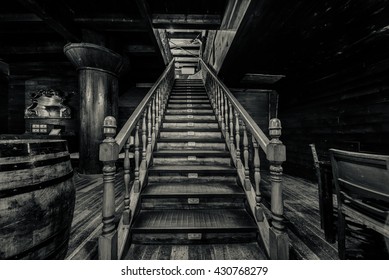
[301, 39]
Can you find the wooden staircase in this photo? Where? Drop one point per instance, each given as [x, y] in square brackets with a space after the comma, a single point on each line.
[196, 174]
[192, 194]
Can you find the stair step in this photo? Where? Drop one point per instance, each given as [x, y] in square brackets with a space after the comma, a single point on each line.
[191, 160]
[191, 226]
[207, 126]
[192, 111]
[191, 144]
[198, 189]
[191, 171]
[189, 101]
[189, 118]
[189, 106]
[189, 96]
[199, 153]
[201, 94]
[200, 180]
[193, 134]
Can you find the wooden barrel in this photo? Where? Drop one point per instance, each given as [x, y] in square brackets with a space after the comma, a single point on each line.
[37, 197]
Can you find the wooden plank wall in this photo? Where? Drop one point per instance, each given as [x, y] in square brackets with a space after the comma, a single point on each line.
[128, 101]
[348, 109]
[3, 103]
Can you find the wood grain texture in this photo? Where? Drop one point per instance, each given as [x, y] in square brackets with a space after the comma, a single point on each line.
[242, 251]
[36, 199]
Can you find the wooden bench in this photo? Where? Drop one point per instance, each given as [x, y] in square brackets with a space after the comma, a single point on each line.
[362, 187]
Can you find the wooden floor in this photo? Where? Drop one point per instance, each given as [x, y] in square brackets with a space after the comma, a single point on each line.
[86, 226]
[301, 212]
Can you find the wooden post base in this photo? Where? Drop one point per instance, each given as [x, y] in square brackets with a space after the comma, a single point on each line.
[108, 246]
[279, 245]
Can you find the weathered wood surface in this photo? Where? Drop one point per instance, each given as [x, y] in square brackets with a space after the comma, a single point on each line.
[86, 226]
[242, 251]
[36, 199]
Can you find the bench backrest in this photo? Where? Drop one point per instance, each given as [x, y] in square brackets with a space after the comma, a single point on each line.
[362, 182]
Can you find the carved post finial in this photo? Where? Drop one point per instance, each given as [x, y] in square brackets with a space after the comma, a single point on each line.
[109, 127]
[275, 129]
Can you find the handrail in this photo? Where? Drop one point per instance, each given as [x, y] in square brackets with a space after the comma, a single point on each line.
[140, 131]
[131, 122]
[234, 121]
[251, 124]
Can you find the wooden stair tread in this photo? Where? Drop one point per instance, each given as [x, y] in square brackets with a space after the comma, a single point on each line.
[199, 153]
[199, 168]
[197, 140]
[189, 128]
[171, 189]
[186, 220]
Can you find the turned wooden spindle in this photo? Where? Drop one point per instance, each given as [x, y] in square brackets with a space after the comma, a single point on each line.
[231, 117]
[216, 103]
[247, 183]
[237, 139]
[136, 158]
[226, 117]
[148, 149]
[276, 154]
[257, 180]
[161, 107]
[153, 133]
[126, 167]
[220, 105]
[109, 153]
[144, 138]
[222, 111]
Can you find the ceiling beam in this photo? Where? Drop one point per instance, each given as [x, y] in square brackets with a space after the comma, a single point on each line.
[57, 15]
[153, 33]
[31, 48]
[139, 49]
[185, 21]
[114, 22]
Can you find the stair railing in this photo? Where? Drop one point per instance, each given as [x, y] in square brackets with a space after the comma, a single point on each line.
[235, 121]
[140, 130]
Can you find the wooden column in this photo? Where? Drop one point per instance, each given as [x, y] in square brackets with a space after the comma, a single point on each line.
[98, 68]
[4, 74]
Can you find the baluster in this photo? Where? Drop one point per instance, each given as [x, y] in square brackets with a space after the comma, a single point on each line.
[144, 138]
[232, 148]
[226, 117]
[276, 154]
[247, 183]
[216, 103]
[257, 180]
[222, 113]
[148, 150]
[126, 167]
[109, 153]
[136, 157]
[153, 133]
[157, 112]
[220, 106]
[161, 106]
[237, 139]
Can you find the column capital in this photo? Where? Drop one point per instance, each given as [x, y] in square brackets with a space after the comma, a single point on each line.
[87, 55]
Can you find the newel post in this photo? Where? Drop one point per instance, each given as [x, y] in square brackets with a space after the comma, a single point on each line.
[276, 154]
[109, 152]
